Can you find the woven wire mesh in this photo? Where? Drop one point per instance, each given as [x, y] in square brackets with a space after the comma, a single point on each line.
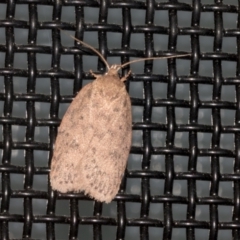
[182, 177]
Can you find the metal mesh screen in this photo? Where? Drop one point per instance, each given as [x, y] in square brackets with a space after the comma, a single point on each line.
[182, 177]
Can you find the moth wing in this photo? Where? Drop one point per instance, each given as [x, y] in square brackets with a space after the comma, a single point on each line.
[105, 160]
[93, 144]
[73, 139]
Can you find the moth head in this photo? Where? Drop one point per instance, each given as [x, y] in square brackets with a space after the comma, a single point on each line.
[113, 70]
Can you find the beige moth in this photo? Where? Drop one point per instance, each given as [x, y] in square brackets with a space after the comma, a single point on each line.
[94, 137]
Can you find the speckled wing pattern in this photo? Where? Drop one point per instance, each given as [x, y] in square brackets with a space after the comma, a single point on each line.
[94, 140]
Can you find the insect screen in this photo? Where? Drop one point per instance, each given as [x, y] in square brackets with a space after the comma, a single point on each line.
[182, 176]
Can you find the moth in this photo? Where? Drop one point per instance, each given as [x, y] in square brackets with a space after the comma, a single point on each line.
[94, 137]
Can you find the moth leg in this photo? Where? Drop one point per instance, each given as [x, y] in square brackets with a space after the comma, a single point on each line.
[95, 75]
[123, 79]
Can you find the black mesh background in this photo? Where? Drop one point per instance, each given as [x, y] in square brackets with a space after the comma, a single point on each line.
[182, 179]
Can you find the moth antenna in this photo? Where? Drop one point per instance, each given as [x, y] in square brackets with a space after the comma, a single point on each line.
[93, 49]
[152, 58]
[90, 47]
